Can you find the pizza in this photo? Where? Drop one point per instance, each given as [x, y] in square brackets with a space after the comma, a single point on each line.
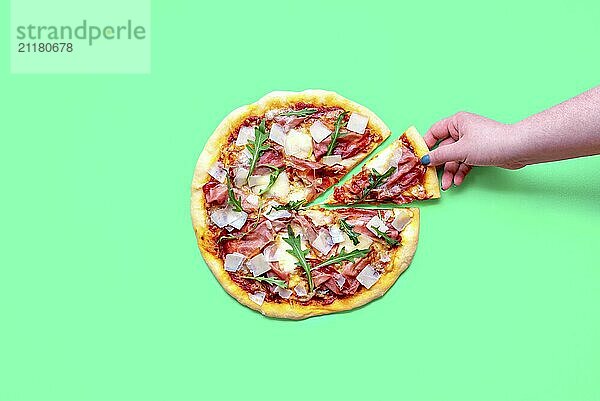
[394, 175]
[257, 228]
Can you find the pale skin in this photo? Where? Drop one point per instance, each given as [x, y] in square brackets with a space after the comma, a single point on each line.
[568, 130]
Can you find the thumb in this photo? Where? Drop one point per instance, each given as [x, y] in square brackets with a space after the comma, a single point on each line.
[447, 153]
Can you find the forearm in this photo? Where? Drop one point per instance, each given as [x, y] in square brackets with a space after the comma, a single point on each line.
[567, 130]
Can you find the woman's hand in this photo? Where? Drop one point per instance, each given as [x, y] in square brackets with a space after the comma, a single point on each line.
[570, 129]
[465, 140]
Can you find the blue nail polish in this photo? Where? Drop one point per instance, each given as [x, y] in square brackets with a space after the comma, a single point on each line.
[425, 160]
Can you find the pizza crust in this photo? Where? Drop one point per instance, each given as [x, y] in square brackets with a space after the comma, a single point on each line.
[210, 155]
[431, 184]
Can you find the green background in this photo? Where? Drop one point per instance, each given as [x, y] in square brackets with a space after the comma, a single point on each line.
[104, 295]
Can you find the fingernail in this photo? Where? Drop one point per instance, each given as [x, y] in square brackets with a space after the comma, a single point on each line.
[425, 160]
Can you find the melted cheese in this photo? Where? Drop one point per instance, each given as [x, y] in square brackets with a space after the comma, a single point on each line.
[388, 157]
[364, 242]
[258, 182]
[319, 217]
[298, 144]
[241, 177]
[281, 187]
[294, 280]
[287, 262]
[298, 192]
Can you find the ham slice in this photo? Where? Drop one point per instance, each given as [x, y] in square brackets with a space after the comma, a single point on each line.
[329, 277]
[362, 229]
[288, 122]
[215, 193]
[336, 283]
[321, 184]
[249, 203]
[271, 157]
[308, 228]
[316, 175]
[353, 189]
[352, 144]
[347, 145]
[352, 269]
[319, 149]
[252, 243]
[350, 286]
[363, 215]
[407, 162]
[333, 287]
[301, 164]
[319, 277]
[279, 273]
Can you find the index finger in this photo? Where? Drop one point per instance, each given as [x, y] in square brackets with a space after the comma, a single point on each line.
[439, 131]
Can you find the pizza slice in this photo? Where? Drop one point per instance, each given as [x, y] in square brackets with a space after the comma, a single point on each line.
[394, 175]
[299, 263]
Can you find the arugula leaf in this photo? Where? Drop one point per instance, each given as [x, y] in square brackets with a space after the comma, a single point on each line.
[272, 178]
[348, 229]
[291, 205]
[298, 253]
[269, 280]
[343, 255]
[390, 241]
[336, 133]
[375, 180]
[257, 146]
[235, 203]
[299, 113]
